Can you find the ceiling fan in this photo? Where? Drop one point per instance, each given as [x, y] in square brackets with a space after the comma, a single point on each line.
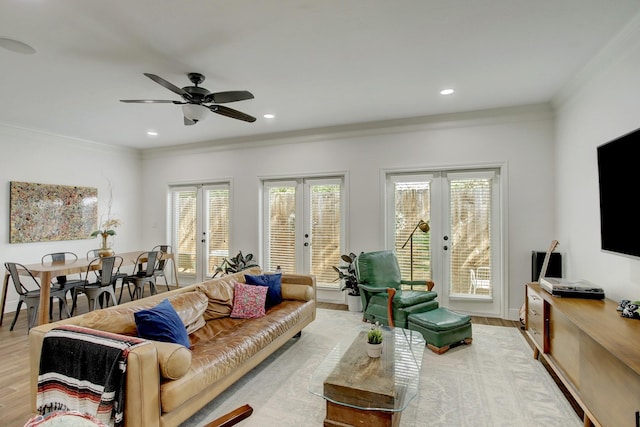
[197, 100]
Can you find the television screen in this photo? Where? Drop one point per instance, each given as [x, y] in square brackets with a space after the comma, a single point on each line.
[618, 174]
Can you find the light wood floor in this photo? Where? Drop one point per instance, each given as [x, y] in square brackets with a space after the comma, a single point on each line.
[14, 361]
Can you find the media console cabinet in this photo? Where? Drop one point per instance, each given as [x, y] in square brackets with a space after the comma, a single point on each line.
[594, 351]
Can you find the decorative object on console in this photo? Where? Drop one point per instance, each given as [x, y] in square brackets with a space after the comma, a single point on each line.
[629, 309]
[622, 304]
[424, 227]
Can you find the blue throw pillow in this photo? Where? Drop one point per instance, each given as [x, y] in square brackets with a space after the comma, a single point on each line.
[273, 282]
[162, 323]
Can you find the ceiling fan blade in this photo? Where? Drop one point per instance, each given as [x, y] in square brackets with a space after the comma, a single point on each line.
[173, 88]
[153, 101]
[230, 112]
[228, 96]
[188, 121]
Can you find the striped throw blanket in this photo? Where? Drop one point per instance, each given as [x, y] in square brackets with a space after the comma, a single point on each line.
[84, 370]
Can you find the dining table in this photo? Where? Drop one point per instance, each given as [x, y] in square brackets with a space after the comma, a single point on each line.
[45, 271]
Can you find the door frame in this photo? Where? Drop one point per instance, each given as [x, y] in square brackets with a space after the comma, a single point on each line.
[438, 276]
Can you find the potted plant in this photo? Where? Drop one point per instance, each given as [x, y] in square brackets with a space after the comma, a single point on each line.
[374, 341]
[347, 273]
[235, 264]
[107, 228]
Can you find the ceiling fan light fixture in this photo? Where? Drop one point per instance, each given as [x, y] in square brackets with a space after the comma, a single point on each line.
[16, 46]
[269, 116]
[194, 112]
[447, 91]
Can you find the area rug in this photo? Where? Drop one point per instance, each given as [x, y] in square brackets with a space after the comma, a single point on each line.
[493, 382]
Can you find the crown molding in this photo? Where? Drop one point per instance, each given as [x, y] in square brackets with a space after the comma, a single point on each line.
[627, 40]
[543, 111]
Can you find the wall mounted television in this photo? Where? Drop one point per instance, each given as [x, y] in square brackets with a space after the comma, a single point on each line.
[619, 184]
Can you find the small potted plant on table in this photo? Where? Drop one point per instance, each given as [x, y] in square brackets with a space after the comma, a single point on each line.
[374, 341]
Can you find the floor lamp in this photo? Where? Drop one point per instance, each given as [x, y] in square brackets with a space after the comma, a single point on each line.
[424, 227]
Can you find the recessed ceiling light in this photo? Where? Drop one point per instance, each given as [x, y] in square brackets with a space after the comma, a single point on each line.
[16, 46]
[446, 91]
[269, 116]
[152, 133]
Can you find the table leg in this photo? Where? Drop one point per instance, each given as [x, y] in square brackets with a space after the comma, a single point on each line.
[175, 270]
[5, 285]
[45, 292]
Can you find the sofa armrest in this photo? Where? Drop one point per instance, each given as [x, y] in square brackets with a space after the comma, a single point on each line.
[299, 287]
[143, 379]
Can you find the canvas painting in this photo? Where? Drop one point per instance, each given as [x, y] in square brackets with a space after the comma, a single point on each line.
[47, 212]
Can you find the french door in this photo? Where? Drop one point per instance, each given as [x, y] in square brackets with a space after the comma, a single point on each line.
[461, 250]
[199, 229]
[303, 226]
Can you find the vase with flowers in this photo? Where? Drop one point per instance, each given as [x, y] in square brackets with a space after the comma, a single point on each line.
[107, 229]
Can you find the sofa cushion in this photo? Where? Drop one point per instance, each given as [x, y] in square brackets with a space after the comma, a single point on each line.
[297, 292]
[162, 323]
[248, 301]
[174, 359]
[190, 307]
[273, 282]
[219, 291]
[119, 319]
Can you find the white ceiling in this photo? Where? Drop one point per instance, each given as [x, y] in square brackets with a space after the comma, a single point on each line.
[312, 63]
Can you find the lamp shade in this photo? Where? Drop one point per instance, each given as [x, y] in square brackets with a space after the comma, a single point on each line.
[194, 112]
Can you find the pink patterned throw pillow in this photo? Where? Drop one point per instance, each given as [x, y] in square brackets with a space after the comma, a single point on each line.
[248, 301]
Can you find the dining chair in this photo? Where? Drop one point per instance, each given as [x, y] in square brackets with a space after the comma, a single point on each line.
[63, 282]
[93, 253]
[29, 294]
[104, 286]
[146, 263]
[162, 263]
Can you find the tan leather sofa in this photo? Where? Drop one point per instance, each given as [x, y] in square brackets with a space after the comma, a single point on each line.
[167, 383]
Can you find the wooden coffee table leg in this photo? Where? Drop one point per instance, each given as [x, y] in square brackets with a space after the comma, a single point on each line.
[345, 416]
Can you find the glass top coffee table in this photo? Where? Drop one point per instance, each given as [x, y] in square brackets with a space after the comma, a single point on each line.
[358, 387]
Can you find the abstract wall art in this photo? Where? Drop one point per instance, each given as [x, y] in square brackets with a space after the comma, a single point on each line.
[47, 212]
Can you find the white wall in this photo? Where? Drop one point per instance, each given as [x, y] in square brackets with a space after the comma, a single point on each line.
[603, 106]
[520, 138]
[41, 158]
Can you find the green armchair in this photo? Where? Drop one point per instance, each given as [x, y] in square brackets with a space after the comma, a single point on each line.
[378, 271]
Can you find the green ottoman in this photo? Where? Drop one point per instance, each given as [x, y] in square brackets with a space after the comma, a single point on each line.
[442, 328]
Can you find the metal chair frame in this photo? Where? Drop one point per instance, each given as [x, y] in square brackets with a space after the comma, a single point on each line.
[31, 297]
[164, 249]
[143, 276]
[106, 282]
